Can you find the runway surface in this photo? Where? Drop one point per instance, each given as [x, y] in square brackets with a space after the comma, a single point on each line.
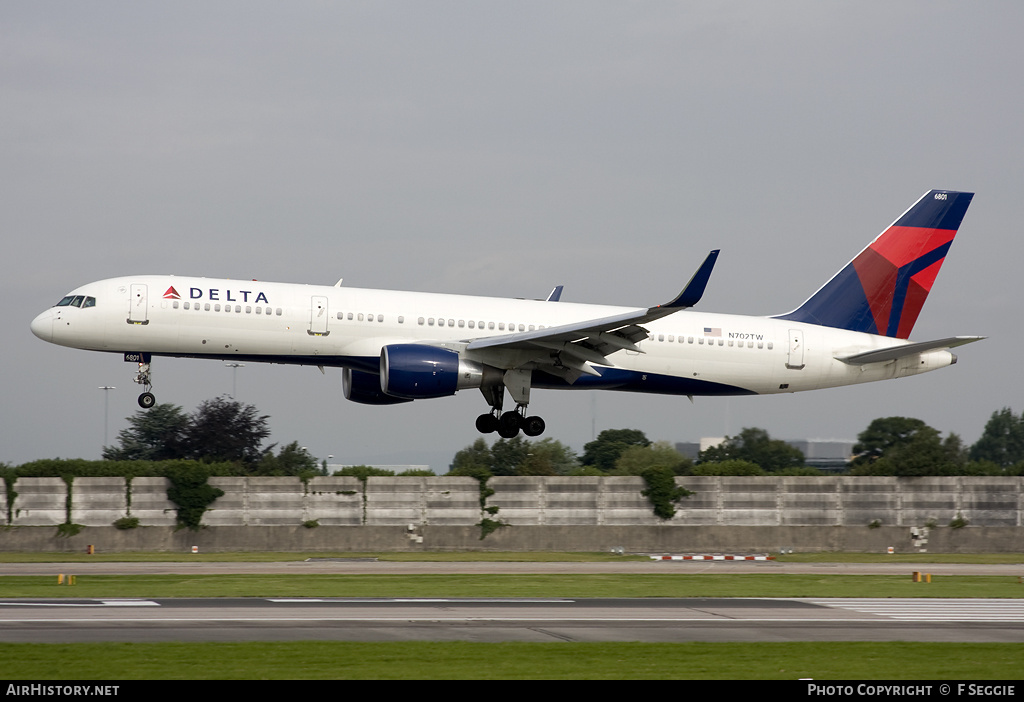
[491, 619]
[484, 619]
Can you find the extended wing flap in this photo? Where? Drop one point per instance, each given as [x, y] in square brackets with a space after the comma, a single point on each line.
[893, 353]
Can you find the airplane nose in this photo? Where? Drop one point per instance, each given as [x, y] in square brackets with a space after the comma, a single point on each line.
[42, 326]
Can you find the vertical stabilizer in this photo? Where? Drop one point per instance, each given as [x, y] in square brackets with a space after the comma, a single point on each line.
[883, 289]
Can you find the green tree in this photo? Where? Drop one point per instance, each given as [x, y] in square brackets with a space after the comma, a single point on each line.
[729, 467]
[1002, 441]
[637, 459]
[883, 435]
[560, 458]
[157, 434]
[472, 459]
[756, 446]
[290, 460]
[604, 451]
[507, 455]
[906, 446]
[516, 456]
[223, 429]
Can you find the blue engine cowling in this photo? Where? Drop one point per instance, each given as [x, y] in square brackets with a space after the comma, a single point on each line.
[364, 388]
[418, 371]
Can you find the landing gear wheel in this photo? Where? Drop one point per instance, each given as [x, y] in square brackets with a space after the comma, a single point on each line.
[533, 426]
[487, 424]
[147, 400]
[508, 425]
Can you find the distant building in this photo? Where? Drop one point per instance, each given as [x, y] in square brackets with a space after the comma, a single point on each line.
[823, 454]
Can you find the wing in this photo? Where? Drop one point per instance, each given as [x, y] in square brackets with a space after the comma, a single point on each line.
[569, 350]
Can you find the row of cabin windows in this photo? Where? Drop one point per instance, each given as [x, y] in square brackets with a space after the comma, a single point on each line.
[472, 324]
[711, 341]
[369, 317]
[512, 326]
[441, 322]
[216, 307]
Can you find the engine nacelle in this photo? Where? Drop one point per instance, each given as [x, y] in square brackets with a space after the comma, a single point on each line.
[364, 388]
[418, 371]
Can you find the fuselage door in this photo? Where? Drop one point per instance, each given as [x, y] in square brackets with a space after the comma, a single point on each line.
[318, 316]
[139, 305]
[795, 360]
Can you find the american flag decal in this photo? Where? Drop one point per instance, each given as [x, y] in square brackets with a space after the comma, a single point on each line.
[712, 331]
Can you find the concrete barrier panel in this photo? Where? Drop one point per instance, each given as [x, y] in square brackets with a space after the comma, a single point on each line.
[452, 501]
[567, 501]
[928, 499]
[704, 506]
[809, 501]
[521, 500]
[276, 500]
[750, 500]
[869, 498]
[625, 504]
[334, 501]
[98, 501]
[230, 508]
[257, 501]
[40, 502]
[992, 501]
[150, 504]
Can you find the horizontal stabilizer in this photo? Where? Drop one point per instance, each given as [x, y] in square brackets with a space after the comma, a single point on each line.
[893, 353]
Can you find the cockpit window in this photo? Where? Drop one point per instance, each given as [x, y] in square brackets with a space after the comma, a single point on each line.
[77, 301]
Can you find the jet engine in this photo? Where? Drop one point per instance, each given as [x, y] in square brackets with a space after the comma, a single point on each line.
[364, 388]
[418, 371]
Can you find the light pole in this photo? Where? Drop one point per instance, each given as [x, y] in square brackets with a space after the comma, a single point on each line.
[106, 409]
[234, 376]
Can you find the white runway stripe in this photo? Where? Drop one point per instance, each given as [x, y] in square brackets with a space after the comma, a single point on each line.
[931, 609]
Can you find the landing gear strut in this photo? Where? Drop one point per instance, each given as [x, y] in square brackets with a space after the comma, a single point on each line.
[509, 424]
[146, 399]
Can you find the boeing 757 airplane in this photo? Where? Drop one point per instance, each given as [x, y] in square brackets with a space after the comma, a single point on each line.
[397, 346]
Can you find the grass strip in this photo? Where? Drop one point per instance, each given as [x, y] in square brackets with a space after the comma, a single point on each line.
[509, 661]
[503, 585]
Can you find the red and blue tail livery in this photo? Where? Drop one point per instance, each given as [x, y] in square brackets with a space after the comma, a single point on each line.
[883, 289]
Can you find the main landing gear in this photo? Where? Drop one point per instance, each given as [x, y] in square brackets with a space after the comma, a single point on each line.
[509, 424]
[146, 399]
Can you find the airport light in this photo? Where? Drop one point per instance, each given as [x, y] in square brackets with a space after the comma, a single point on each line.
[106, 409]
[234, 376]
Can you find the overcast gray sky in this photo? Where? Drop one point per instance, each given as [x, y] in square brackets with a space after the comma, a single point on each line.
[500, 149]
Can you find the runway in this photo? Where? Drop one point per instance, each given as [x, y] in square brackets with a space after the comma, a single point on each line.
[521, 619]
[491, 620]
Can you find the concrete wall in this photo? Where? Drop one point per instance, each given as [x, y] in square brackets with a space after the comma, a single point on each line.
[632, 539]
[554, 513]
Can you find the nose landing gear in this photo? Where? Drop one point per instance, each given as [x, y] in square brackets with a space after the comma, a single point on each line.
[146, 399]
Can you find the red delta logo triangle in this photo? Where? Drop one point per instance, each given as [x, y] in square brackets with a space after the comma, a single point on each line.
[172, 294]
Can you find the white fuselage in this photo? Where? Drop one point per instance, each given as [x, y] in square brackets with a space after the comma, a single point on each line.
[688, 352]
